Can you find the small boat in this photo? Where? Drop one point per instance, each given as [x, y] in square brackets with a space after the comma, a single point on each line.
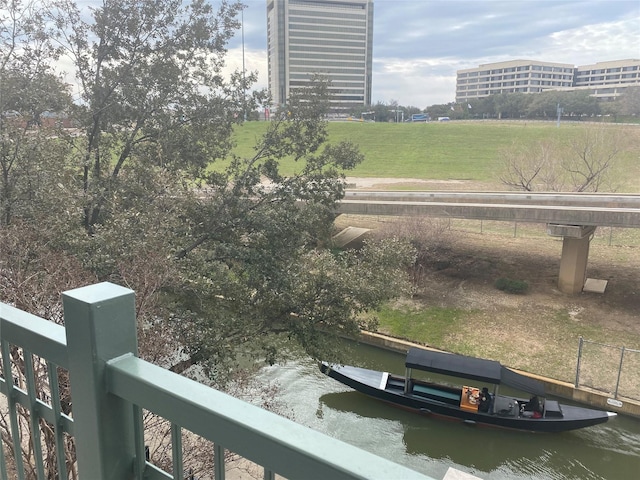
[468, 403]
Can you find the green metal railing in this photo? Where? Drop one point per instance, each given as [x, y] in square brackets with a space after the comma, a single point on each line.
[111, 387]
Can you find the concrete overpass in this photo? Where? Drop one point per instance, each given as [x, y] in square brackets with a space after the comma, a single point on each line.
[572, 216]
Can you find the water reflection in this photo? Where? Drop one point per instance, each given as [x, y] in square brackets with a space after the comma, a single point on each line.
[463, 444]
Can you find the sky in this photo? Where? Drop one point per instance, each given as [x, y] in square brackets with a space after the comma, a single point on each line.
[418, 45]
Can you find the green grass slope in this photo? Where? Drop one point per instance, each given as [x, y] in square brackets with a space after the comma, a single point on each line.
[445, 151]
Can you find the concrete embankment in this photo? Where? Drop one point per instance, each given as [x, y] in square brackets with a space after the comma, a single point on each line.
[553, 387]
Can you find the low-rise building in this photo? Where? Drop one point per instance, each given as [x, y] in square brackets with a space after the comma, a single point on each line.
[606, 80]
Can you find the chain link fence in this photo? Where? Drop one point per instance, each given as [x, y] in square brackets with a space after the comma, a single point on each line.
[605, 236]
[610, 369]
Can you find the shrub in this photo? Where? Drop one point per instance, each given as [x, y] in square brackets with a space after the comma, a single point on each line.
[511, 286]
[429, 236]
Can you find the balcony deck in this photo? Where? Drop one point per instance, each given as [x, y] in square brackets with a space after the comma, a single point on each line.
[111, 387]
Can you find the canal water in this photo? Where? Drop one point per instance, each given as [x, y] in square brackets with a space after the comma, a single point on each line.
[431, 446]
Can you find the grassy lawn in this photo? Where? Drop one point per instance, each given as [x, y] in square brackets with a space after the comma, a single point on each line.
[442, 151]
[429, 325]
[438, 151]
[461, 311]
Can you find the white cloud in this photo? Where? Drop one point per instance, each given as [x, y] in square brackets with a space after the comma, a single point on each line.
[462, 34]
[419, 45]
[598, 42]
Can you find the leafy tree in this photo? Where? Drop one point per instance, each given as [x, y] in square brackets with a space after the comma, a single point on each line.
[28, 87]
[382, 112]
[248, 256]
[411, 110]
[224, 253]
[443, 110]
[26, 47]
[509, 105]
[628, 104]
[579, 103]
[151, 83]
[31, 94]
[482, 107]
[33, 172]
[34, 203]
[518, 105]
[544, 105]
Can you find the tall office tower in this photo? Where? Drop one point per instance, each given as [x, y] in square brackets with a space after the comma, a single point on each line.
[333, 38]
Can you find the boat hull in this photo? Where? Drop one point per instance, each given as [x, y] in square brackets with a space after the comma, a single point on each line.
[445, 402]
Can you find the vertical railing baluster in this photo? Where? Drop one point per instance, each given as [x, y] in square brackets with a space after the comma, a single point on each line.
[13, 413]
[269, 475]
[176, 451]
[218, 459]
[34, 416]
[3, 467]
[3, 464]
[54, 386]
[138, 435]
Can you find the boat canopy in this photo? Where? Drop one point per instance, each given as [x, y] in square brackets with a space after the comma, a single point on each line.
[471, 368]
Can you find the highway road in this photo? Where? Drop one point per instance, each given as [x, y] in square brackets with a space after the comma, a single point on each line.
[611, 210]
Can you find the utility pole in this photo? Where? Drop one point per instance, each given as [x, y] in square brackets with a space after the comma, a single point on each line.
[559, 111]
[244, 88]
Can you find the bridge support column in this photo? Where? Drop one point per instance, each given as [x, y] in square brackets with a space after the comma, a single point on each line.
[573, 264]
[575, 255]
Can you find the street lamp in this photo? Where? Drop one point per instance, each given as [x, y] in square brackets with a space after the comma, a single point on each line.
[244, 88]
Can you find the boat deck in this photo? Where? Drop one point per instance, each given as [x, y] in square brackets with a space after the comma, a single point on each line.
[423, 389]
[431, 392]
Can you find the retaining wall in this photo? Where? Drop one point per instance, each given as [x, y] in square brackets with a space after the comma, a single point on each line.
[553, 387]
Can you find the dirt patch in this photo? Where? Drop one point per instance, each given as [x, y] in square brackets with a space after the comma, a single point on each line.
[381, 183]
[385, 183]
[538, 331]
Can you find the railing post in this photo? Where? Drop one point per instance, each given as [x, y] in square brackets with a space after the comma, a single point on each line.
[580, 343]
[615, 394]
[100, 324]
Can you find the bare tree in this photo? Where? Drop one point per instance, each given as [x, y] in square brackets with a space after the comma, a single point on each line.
[584, 161]
[428, 236]
[32, 275]
[525, 168]
[590, 158]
